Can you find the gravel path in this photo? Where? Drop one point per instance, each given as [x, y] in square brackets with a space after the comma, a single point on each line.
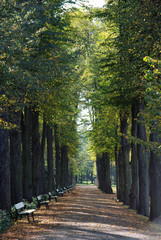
[87, 213]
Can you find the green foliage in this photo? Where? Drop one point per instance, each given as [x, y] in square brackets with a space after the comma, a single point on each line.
[31, 205]
[13, 212]
[152, 113]
[85, 157]
[34, 40]
[96, 78]
[132, 32]
[5, 220]
[54, 193]
[104, 135]
[19, 43]
[132, 24]
[39, 64]
[34, 204]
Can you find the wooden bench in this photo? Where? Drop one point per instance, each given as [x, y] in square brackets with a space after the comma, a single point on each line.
[65, 190]
[20, 211]
[42, 202]
[70, 187]
[59, 192]
[52, 197]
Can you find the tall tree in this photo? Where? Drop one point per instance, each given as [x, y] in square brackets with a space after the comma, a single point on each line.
[5, 197]
[50, 161]
[57, 155]
[142, 155]
[42, 183]
[36, 153]
[26, 153]
[64, 166]
[151, 116]
[125, 148]
[134, 191]
[16, 158]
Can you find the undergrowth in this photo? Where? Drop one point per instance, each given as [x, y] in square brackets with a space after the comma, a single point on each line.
[5, 220]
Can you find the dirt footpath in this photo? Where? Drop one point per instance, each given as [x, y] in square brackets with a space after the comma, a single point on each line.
[85, 213]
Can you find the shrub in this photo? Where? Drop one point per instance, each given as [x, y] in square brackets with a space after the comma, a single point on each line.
[13, 212]
[31, 205]
[34, 203]
[5, 220]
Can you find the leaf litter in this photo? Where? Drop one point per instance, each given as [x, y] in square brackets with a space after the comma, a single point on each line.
[85, 213]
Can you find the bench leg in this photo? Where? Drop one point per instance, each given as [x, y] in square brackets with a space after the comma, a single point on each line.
[47, 206]
[33, 216]
[28, 218]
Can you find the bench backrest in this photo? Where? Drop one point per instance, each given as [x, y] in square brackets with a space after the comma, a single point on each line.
[39, 198]
[19, 205]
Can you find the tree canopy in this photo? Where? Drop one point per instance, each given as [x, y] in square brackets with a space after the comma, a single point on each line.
[56, 58]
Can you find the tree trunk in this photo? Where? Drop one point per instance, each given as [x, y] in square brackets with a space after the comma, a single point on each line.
[92, 178]
[64, 166]
[106, 173]
[57, 155]
[50, 175]
[26, 154]
[117, 172]
[120, 176]
[99, 170]
[16, 159]
[125, 158]
[155, 179]
[71, 177]
[142, 154]
[134, 192]
[103, 172]
[5, 196]
[81, 177]
[36, 153]
[42, 161]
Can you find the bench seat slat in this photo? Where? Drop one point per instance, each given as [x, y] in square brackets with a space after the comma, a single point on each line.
[44, 202]
[27, 211]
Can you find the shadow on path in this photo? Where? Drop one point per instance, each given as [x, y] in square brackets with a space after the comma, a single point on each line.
[85, 213]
